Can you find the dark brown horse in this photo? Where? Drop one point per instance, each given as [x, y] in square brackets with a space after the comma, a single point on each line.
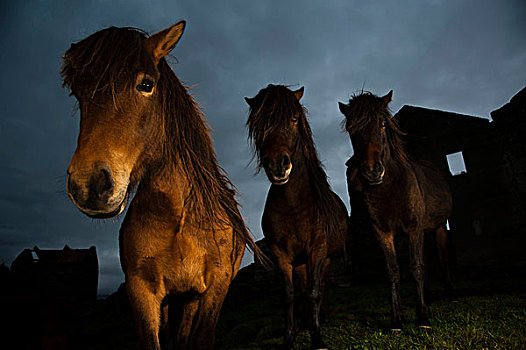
[183, 238]
[304, 221]
[400, 195]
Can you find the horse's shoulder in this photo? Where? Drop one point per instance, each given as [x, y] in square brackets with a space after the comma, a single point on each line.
[430, 176]
[427, 169]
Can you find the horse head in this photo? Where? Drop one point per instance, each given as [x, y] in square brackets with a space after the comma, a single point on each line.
[275, 121]
[114, 75]
[367, 120]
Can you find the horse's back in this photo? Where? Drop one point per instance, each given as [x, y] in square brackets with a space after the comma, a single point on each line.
[337, 241]
[436, 193]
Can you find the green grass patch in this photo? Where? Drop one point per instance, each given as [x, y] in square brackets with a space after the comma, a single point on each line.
[491, 314]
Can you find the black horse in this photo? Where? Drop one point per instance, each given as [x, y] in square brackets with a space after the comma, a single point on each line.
[304, 220]
[400, 195]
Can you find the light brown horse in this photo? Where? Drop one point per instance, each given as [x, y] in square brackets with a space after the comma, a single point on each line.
[304, 220]
[183, 238]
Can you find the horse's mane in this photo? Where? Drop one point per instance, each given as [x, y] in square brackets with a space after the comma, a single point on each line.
[116, 55]
[271, 111]
[364, 108]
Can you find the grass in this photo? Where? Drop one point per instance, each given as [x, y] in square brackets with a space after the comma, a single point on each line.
[491, 314]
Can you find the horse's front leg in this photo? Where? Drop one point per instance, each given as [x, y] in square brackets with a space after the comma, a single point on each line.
[417, 258]
[182, 338]
[386, 240]
[285, 270]
[146, 306]
[316, 270]
[207, 315]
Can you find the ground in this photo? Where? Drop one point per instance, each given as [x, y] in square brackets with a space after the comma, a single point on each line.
[490, 314]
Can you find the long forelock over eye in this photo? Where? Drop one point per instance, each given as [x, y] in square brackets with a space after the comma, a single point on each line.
[90, 66]
[271, 111]
[356, 121]
[363, 108]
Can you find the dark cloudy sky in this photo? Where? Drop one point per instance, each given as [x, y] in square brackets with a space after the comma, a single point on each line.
[462, 56]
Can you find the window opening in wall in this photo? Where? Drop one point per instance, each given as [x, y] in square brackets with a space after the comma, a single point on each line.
[456, 163]
[34, 255]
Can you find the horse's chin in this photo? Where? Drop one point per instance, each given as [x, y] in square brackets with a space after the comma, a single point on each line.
[375, 182]
[108, 213]
[280, 182]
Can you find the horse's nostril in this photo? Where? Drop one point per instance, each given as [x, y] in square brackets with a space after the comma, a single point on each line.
[378, 168]
[285, 161]
[102, 183]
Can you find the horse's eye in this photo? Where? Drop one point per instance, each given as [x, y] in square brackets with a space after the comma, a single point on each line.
[382, 124]
[294, 120]
[146, 85]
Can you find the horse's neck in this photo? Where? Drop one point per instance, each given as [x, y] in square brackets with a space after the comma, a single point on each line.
[399, 166]
[396, 175]
[166, 186]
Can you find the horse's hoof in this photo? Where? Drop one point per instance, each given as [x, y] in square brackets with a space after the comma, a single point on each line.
[395, 331]
[318, 344]
[424, 324]
[395, 327]
[453, 299]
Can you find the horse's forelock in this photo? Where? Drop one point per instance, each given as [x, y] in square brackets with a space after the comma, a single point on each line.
[90, 63]
[270, 112]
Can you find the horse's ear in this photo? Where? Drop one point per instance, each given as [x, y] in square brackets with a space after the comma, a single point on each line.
[250, 101]
[388, 98]
[343, 108]
[160, 44]
[299, 93]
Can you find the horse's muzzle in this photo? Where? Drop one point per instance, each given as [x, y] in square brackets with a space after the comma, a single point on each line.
[278, 171]
[95, 194]
[374, 175]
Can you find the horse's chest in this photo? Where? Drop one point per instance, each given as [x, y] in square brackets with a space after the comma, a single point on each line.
[172, 267]
[290, 216]
[175, 263]
[292, 230]
[392, 210]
